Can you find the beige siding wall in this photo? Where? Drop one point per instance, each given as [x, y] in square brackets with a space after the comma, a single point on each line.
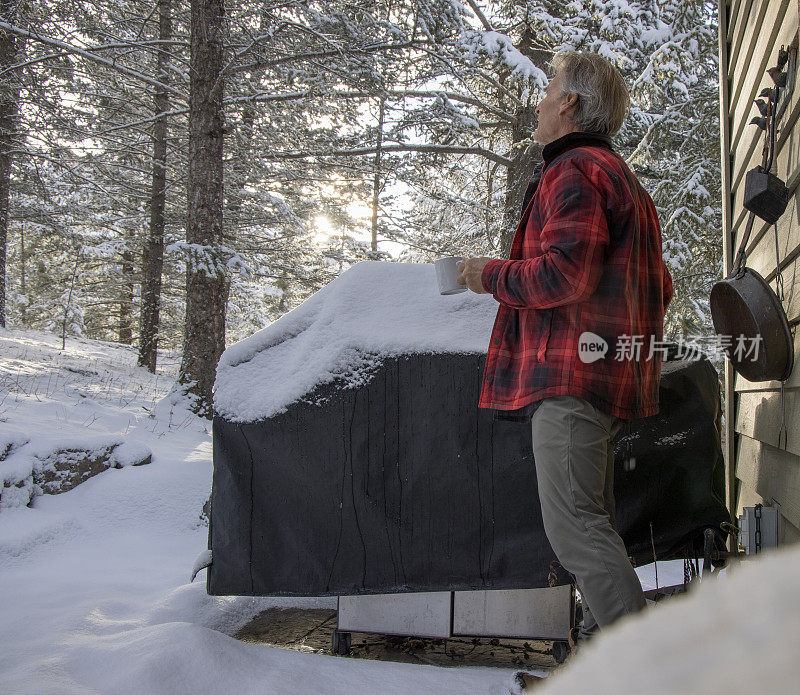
[751, 33]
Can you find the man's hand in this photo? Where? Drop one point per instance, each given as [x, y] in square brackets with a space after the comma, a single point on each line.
[470, 270]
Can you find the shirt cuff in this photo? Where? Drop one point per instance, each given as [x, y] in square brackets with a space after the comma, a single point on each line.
[491, 274]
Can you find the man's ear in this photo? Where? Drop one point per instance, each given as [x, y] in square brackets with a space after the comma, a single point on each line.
[570, 100]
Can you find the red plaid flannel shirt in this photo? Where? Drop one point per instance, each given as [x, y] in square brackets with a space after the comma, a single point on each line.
[578, 264]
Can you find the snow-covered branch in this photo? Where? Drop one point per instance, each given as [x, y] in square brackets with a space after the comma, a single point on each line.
[88, 54]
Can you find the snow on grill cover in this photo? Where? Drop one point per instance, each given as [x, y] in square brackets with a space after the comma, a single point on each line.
[350, 456]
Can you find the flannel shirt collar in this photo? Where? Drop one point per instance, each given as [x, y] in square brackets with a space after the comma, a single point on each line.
[566, 142]
[555, 148]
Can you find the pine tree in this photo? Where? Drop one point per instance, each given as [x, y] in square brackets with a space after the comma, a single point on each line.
[204, 335]
[11, 49]
[153, 255]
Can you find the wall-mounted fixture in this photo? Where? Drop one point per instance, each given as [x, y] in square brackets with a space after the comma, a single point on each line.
[785, 74]
[765, 194]
[778, 76]
[743, 304]
[758, 529]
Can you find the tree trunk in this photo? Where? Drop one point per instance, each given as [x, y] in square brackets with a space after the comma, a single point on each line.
[526, 157]
[125, 331]
[526, 154]
[283, 285]
[241, 161]
[376, 182]
[10, 46]
[240, 167]
[153, 256]
[204, 332]
[23, 290]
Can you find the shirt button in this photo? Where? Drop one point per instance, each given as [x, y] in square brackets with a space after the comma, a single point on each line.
[497, 341]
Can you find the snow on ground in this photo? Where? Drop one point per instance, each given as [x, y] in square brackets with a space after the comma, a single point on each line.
[94, 581]
[731, 635]
[96, 599]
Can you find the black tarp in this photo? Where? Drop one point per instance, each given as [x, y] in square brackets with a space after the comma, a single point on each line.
[403, 484]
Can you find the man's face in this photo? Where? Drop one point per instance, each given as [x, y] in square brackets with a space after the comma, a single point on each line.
[553, 112]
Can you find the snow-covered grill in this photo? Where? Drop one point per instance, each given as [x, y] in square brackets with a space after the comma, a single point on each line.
[350, 457]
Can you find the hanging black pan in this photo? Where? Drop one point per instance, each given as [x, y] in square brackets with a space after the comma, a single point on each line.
[744, 305]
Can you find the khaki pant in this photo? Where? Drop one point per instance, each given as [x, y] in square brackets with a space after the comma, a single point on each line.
[574, 456]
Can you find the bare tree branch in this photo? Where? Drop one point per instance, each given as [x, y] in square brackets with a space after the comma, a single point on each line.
[395, 93]
[325, 54]
[479, 14]
[444, 149]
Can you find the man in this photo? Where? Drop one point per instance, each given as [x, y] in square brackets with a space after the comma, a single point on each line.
[575, 345]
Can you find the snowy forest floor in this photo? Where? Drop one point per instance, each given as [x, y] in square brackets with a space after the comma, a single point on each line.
[96, 597]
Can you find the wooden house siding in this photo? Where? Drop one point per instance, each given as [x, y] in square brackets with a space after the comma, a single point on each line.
[750, 34]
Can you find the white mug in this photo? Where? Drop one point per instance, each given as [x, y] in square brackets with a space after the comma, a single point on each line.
[446, 274]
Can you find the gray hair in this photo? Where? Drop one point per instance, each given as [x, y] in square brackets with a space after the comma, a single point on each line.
[603, 98]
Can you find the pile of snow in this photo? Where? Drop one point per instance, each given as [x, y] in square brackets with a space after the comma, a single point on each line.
[131, 454]
[372, 311]
[57, 457]
[732, 635]
[79, 403]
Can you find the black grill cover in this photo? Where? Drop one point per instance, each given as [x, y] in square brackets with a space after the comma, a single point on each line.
[403, 484]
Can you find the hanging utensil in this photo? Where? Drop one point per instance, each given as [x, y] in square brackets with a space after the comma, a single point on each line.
[743, 306]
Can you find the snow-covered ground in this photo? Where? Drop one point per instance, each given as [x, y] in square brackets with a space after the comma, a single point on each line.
[94, 592]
